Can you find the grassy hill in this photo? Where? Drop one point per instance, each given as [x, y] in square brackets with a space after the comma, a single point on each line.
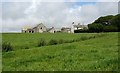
[22, 40]
[99, 53]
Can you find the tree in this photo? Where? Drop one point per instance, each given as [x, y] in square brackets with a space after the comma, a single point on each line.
[104, 20]
[94, 27]
[108, 23]
[115, 21]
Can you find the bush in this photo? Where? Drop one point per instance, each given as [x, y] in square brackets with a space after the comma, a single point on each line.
[110, 28]
[83, 38]
[95, 27]
[26, 47]
[94, 51]
[91, 37]
[81, 31]
[53, 42]
[61, 41]
[67, 41]
[6, 46]
[108, 23]
[41, 42]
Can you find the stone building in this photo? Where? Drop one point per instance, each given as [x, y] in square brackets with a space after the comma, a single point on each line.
[40, 28]
[51, 30]
[66, 30]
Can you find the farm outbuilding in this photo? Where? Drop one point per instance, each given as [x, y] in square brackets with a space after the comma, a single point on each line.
[51, 30]
[79, 26]
[66, 30]
[40, 28]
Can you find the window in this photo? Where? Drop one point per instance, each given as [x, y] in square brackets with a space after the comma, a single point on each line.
[29, 31]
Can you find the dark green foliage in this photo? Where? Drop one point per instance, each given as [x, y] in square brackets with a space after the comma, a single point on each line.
[95, 27]
[84, 38]
[110, 28]
[91, 37]
[26, 47]
[94, 51]
[41, 42]
[104, 20]
[6, 46]
[115, 21]
[108, 23]
[61, 41]
[81, 31]
[53, 42]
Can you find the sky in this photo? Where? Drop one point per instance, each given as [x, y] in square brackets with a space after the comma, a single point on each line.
[53, 13]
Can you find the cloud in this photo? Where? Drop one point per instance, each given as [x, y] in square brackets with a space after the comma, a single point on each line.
[14, 10]
[32, 8]
[91, 12]
[61, 0]
[58, 14]
[119, 7]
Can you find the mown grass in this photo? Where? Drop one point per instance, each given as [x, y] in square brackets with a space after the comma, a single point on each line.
[98, 54]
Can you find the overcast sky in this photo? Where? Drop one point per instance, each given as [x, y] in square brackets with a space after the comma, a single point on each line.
[60, 13]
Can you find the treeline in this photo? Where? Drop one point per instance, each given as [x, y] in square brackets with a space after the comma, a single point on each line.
[108, 23]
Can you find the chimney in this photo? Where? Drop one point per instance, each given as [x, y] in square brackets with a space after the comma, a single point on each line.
[72, 22]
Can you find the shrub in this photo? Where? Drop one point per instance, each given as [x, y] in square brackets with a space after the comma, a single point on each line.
[81, 31]
[6, 46]
[92, 37]
[93, 51]
[95, 27]
[83, 38]
[67, 41]
[26, 47]
[41, 42]
[61, 41]
[72, 41]
[53, 42]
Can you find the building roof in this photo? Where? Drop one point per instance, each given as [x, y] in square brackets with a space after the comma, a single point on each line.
[38, 25]
[30, 29]
[50, 29]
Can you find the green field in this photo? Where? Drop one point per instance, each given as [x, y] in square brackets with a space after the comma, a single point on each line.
[99, 53]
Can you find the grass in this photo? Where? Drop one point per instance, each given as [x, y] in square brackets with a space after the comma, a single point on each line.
[96, 54]
[21, 40]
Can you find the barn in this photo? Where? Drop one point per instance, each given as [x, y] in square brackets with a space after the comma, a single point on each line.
[40, 28]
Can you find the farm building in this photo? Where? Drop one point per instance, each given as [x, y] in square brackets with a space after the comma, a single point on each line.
[40, 28]
[74, 27]
[51, 30]
[27, 30]
[67, 30]
[79, 26]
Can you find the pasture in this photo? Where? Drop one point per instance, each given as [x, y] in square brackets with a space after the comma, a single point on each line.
[95, 52]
